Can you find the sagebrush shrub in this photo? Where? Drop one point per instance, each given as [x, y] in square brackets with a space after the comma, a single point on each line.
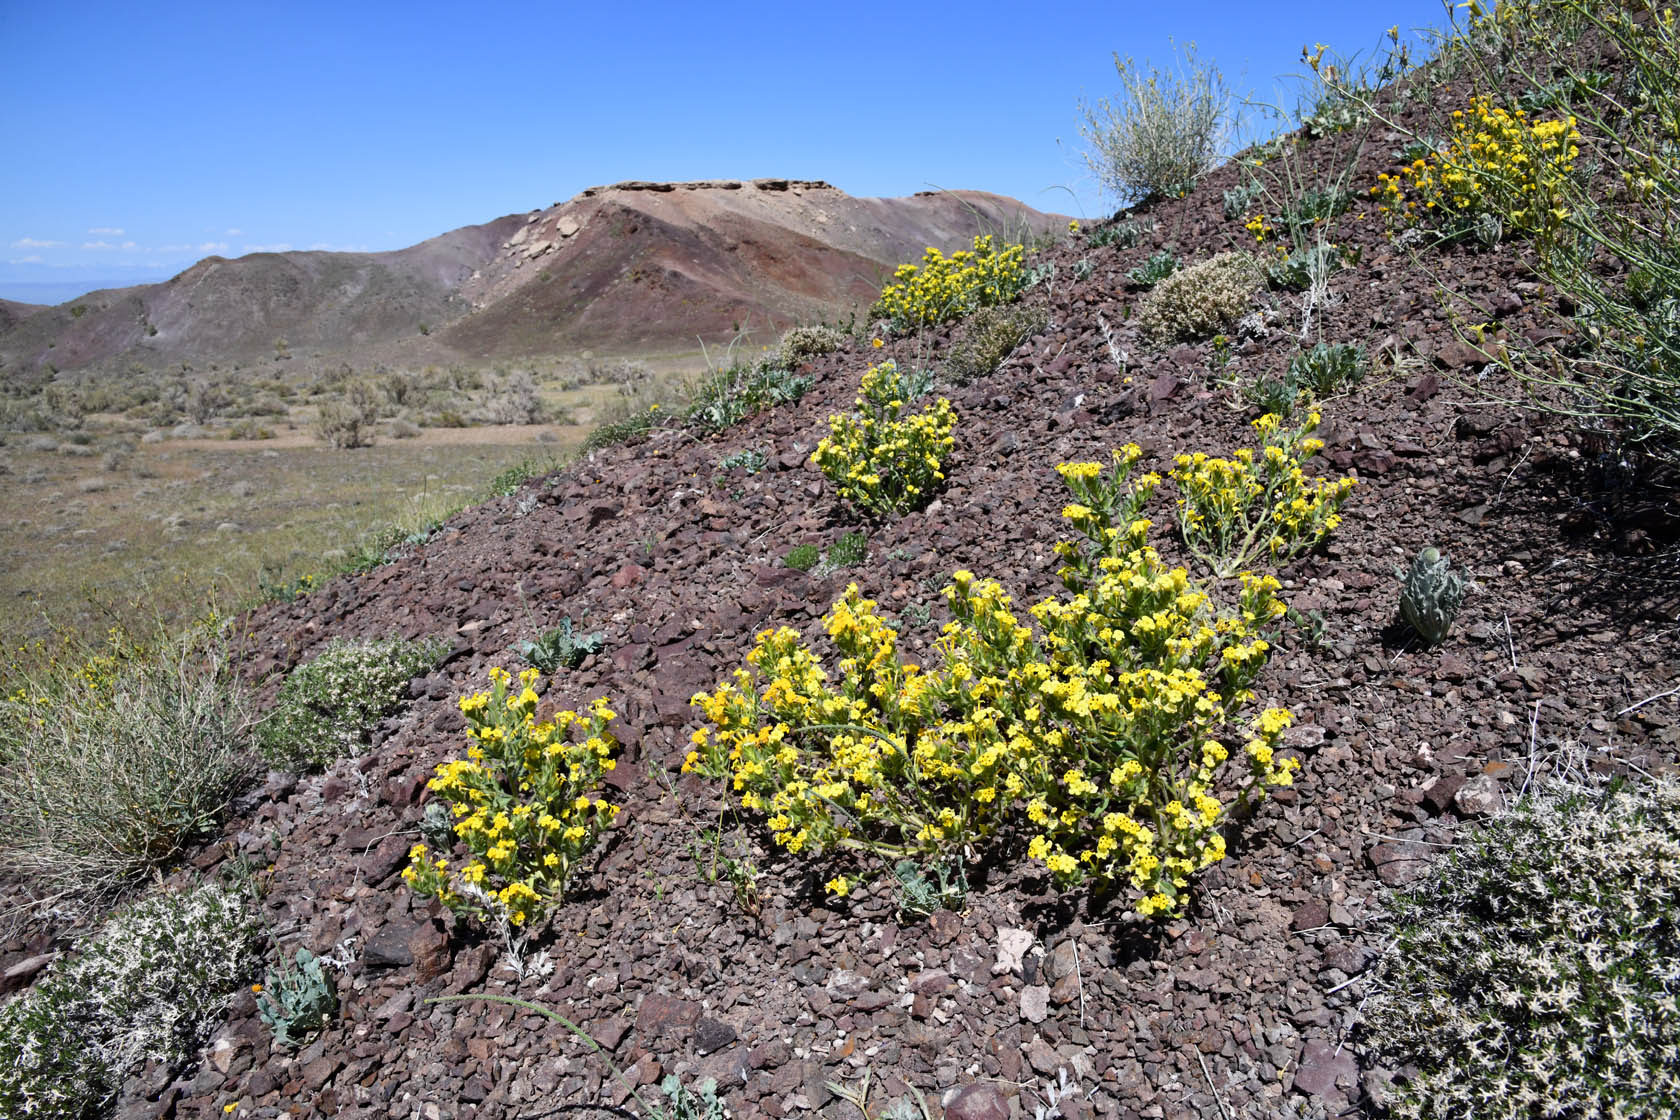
[1534, 973]
[877, 458]
[149, 986]
[1200, 300]
[328, 705]
[1160, 133]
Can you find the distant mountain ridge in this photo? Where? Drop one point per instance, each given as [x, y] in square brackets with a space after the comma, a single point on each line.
[637, 266]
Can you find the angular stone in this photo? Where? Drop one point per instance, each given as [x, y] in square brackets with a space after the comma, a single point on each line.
[389, 946]
[1035, 1003]
[979, 1101]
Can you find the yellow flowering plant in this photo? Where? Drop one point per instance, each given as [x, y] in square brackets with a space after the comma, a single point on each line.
[1232, 512]
[942, 288]
[1496, 161]
[880, 460]
[1095, 730]
[525, 800]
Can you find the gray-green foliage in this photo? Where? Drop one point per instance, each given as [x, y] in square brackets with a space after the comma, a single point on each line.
[1302, 267]
[752, 460]
[800, 344]
[848, 551]
[1430, 595]
[699, 1103]
[102, 785]
[1200, 300]
[149, 986]
[1238, 201]
[1328, 367]
[298, 1000]
[919, 895]
[1127, 233]
[560, 648]
[1158, 267]
[1160, 133]
[328, 706]
[1534, 974]
[727, 396]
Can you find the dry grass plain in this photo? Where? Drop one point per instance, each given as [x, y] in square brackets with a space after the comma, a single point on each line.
[108, 523]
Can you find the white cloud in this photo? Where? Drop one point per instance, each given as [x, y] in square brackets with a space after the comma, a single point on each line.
[277, 247]
[233, 233]
[106, 231]
[106, 246]
[33, 243]
[212, 247]
[35, 259]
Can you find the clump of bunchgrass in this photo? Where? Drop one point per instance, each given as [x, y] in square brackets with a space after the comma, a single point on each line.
[327, 706]
[149, 986]
[880, 460]
[803, 557]
[1160, 133]
[1200, 300]
[114, 765]
[1534, 972]
[989, 336]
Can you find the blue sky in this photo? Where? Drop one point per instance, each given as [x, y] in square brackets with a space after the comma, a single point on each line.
[141, 137]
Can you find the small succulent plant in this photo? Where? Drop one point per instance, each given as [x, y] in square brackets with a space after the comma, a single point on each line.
[1430, 595]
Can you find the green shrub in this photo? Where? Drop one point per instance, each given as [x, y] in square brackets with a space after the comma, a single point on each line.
[752, 460]
[1534, 972]
[879, 462]
[1240, 200]
[328, 705]
[1157, 268]
[943, 288]
[1328, 368]
[1274, 396]
[113, 769]
[1161, 133]
[989, 336]
[728, 396]
[848, 551]
[1201, 300]
[149, 986]
[1302, 268]
[803, 557]
[348, 422]
[522, 805]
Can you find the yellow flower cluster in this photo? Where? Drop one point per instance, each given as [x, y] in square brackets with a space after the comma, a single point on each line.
[1496, 162]
[1233, 511]
[944, 288]
[1094, 727]
[880, 461]
[526, 803]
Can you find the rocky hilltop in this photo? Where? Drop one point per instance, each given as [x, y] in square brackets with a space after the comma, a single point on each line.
[644, 267]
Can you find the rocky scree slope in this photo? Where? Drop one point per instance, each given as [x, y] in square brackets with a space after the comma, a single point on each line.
[1242, 1007]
